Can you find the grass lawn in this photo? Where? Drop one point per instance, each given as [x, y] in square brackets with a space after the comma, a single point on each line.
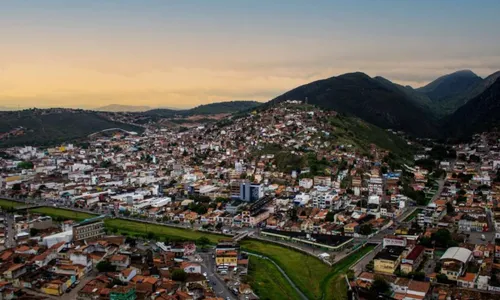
[7, 203]
[311, 276]
[160, 231]
[267, 281]
[62, 213]
[305, 271]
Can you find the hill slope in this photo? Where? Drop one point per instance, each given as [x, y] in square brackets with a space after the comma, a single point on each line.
[53, 126]
[206, 109]
[358, 94]
[451, 91]
[123, 108]
[477, 115]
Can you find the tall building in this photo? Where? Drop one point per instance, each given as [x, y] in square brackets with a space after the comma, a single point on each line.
[251, 192]
[88, 229]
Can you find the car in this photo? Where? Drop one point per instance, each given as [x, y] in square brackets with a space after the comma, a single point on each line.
[205, 274]
[213, 283]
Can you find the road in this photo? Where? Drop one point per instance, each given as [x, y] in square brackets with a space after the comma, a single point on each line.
[10, 231]
[360, 266]
[218, 285]
[74, 292]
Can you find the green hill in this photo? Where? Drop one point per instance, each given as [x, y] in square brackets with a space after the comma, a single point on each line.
[53, 126]
[359, 95]
[477, 115]
[206, 109]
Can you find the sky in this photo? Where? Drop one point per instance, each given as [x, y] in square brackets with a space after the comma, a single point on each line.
[165, 53]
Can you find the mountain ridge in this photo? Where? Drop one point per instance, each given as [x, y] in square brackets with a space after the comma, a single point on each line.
[360, 95]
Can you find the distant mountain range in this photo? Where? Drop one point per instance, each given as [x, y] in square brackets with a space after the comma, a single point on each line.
[53, 126]
[123, 108]
[429, 111]
[206, 109]
[452, 106]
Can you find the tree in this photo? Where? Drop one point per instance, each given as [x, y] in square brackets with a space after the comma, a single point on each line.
[105, 266]
[380, 285]
[17, 260]
[179, 275]
[34, 232]
[203, 241]
[130, 241]
[151, 235]
[330, 216]
[16, 187]
[365, 229]
[27, 165]
[449, 208]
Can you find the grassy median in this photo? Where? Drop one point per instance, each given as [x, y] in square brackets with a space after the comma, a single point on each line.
[267, 281]
[159, 231]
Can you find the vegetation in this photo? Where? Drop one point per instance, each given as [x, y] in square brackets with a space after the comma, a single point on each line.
[359, 95]
[105, 266]
[267, 281]
[62, 214]
[314, 278]
[179, 275]
[51, 127]
[207, 109]
[360, 134]
[134, 228]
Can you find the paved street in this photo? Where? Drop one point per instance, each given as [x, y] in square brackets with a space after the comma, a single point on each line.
[360, 266]
[208, 266]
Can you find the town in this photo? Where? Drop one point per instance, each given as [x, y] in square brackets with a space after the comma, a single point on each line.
[170, 213]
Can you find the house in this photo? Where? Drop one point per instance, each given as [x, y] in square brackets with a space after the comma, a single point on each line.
[190, 267]
[127, 274]
[120, 261]
[387, 260]
[413, 259]
[15, 271]
[54, 288]
[454, 262]
[467, 281]
[417, 290]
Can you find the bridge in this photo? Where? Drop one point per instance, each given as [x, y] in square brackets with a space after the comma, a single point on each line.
[111, 129]
[241, 236]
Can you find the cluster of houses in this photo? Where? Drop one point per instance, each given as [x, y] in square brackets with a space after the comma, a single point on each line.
[79, 261]
[451, 248]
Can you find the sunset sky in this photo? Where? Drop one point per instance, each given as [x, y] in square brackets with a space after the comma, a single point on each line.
[183, 53]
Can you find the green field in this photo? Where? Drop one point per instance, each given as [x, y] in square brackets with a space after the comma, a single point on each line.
[62, 213]
[8, 204]
[267, 281]
[312, 277]
[160, 231]
[306, 271]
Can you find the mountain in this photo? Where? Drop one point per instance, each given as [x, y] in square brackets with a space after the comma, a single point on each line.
[123, 108]
[206, 109]
[53, 126]
[223, 107]
[418, 98]
[477, 115]
[367, 98]
[451, 91]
